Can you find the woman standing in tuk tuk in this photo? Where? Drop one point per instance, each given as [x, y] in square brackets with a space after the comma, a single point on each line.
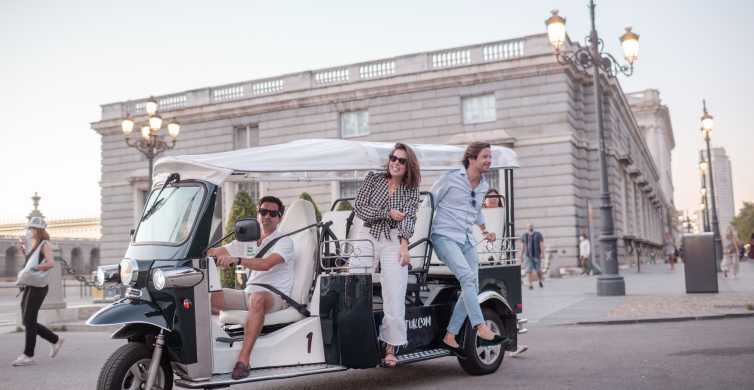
[387, 203]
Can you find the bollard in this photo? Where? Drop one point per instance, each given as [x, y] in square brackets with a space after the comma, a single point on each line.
[54, 299]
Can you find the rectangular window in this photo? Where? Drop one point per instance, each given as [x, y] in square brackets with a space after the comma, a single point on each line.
[479, 109]
[250, 187]
[354, 123]
[493, 179]
[348, 189]
[245, 136]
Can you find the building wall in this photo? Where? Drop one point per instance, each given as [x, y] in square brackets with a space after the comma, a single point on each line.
[543, 110]
[83, 255]
[723, 176]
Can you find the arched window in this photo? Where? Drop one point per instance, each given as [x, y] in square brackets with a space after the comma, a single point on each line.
[94, 259]
[77, 260]
[11, 261]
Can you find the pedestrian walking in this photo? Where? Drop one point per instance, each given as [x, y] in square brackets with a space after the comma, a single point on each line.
[670, 251]
[730, 259]
[585, 250]
[532, 249]
[33, 281]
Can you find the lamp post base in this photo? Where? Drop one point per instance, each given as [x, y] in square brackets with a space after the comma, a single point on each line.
[611, 285]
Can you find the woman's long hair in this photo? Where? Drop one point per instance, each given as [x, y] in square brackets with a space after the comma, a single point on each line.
[40, 234]
[413, 177]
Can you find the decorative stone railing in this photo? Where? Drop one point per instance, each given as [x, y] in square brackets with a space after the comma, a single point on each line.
[384, 68]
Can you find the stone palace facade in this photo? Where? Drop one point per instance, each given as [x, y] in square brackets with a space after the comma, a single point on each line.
[511, 93]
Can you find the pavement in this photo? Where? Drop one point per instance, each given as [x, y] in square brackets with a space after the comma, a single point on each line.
[654, 294]
[689, 355]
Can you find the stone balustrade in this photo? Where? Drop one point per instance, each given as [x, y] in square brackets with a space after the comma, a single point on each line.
[506, 50]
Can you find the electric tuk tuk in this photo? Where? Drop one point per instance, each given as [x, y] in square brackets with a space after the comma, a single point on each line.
[331, 320]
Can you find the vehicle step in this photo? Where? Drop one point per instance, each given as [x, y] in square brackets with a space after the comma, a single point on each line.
[260, 374]
[523, 331]
[422, 355]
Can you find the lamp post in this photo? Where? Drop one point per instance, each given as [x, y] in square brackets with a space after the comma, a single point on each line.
[707, 124]
[151, 143]
[703, 191]
[592, 56]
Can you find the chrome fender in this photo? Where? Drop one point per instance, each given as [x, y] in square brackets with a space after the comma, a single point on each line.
[486, 296]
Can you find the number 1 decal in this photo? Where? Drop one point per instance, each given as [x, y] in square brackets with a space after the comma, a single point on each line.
[309, 337]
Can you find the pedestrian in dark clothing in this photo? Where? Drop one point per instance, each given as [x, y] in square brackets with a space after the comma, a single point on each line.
[532, 249]
[39, 260]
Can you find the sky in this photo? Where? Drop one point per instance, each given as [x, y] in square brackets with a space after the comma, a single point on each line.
[60, 60]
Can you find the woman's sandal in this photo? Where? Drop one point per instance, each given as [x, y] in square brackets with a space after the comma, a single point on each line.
[389, 361]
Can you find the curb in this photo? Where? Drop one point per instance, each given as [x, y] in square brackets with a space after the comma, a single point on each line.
[664, 319]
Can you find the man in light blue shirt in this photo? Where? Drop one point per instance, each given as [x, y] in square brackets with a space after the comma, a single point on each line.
[458, 196]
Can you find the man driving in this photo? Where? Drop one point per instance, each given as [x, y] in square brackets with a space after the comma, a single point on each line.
[275, 268]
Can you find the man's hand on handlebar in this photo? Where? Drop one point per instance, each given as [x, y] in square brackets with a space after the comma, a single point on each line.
[226, 261]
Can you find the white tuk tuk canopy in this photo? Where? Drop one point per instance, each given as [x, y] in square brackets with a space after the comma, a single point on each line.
[314, 160]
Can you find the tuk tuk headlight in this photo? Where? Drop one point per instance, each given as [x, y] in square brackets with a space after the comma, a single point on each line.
[158, 279]
[129, 272]
[181, 277]
[107, 274]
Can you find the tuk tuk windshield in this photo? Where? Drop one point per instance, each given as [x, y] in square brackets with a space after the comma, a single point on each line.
[170, 218]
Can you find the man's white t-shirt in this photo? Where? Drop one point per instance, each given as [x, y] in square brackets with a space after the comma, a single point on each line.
[279, 276]
[584, 248]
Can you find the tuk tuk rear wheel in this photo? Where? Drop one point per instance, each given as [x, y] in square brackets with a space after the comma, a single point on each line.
[127, 369]
[481, 360]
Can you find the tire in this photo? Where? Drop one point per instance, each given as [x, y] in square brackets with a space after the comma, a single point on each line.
[127, 367]
[482, 360]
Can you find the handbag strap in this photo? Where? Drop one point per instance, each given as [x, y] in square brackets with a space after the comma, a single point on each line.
[34, 249]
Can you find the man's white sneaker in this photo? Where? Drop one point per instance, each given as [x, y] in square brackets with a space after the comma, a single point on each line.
[23, 360]
[55, 348]
[521, 349]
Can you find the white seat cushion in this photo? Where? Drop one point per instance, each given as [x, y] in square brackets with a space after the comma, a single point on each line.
[421, 230]
[285, 316]
[494, 218]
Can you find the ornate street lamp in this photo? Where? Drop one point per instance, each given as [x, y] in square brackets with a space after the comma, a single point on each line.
[707, 124]
[704, 192]
[151, 143]
[592, 56]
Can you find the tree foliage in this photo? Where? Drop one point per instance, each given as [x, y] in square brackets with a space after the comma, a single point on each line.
[744, 222]
[344, 206]
[243, 207]
[306, 196]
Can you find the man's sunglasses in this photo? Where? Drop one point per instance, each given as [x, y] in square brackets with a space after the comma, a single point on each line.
[272, 213]
[473, 199]
[394, 158]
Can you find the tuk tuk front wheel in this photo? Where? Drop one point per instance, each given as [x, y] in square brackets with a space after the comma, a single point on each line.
[127, 369]
[482, 360]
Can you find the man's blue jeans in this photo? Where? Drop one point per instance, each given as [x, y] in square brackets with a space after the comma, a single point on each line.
[464, 263]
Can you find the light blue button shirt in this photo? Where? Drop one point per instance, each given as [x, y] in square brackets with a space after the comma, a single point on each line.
[455, 212]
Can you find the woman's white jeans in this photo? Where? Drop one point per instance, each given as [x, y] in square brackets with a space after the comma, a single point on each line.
[394, 281]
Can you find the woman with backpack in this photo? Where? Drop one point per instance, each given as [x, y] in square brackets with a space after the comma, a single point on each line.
[33, 280]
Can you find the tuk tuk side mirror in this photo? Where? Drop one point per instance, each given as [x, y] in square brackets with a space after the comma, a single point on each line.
[247, 230]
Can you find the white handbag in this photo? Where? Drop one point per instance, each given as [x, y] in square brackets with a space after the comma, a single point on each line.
[28, 276]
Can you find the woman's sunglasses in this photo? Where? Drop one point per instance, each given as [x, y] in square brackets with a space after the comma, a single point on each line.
[272, 213]
[394, 158]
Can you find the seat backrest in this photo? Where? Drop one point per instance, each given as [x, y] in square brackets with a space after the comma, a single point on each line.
[421, 231]
[339, 220]
[494, 222]
[299, 214]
